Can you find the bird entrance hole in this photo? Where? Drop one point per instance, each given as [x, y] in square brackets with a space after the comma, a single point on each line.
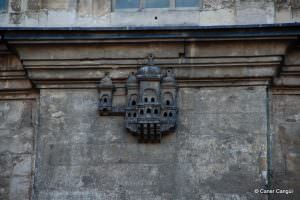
[168, 103]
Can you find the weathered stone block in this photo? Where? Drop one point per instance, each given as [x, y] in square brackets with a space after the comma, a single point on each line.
[217, 17]
[242, 100]
[56, 4]
[34, 5]
[235, 48]
[142, 51]
[19, 188]
[16, 5]
[16, 149]
[16, 18]
[286, 144]
[218, 4]
[215, 140]
[84, 8]
[101, 7]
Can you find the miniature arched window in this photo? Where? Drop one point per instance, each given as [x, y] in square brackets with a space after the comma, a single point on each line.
[104, 99]
[148, 111]
[165, 114]
[132, 100]
[168, 99]
[149, 96]
[142, 112]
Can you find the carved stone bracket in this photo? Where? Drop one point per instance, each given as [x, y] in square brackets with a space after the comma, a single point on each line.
[151, 108]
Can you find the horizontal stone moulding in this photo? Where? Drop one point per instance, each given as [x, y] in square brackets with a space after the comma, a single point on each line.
[128, 63]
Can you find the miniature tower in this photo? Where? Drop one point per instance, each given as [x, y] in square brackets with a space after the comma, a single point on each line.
[105, 89]
[132, 101]
[168, 102]
[148, 123]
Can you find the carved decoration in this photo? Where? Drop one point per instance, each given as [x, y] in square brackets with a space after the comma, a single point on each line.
[150, 110]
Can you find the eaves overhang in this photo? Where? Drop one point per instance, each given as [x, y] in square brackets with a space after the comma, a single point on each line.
[200, 56]
[230, 32]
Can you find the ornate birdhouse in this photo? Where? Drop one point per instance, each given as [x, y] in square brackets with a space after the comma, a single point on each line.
[151, 109]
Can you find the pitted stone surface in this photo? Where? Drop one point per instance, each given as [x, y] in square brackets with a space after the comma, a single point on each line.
[102, 13]
[84, 155]
[16, 149]
[286, 144]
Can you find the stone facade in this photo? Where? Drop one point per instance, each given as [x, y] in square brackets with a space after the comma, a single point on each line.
[238, 94]
[102, 13]
[237, 127]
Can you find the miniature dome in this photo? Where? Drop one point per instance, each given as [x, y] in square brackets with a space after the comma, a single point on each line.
[169, 80]
[149, 71]
[131, 79]
[106, 82]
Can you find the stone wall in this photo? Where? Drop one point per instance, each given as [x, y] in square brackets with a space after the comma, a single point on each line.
[70, 13]
[286, 141]
[285, 107]
[221, 138]
[17, 129]
[16, 149]
[238, 121]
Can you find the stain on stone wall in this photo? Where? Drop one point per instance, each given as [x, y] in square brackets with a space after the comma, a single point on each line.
[56, 4]
[16, 18]
[286, 145]
[218, 4]
[16, 149]
[34, 5]
[100, 13]
[220, 137]
[16, 5]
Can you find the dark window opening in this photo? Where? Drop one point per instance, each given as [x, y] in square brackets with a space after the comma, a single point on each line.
[152, 100]
[141, 112]
[167, 102]
[146, 100]
[148, 111]
[133, 103]
[156, 111]
[129, 115]
[165, 114]
[170, 114]
[134, 114]
[105, 100]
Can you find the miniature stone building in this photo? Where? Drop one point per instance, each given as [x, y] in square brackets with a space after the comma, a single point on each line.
[151, 108]
[85, 115]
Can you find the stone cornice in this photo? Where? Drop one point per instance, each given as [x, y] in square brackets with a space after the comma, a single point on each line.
[14, 83]
[28, 35]
[199, 56]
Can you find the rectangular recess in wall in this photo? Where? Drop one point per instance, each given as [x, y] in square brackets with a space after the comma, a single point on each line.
[126, 4]
[157, 4]
[187, 3]
[134, 5]
[3, 5]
